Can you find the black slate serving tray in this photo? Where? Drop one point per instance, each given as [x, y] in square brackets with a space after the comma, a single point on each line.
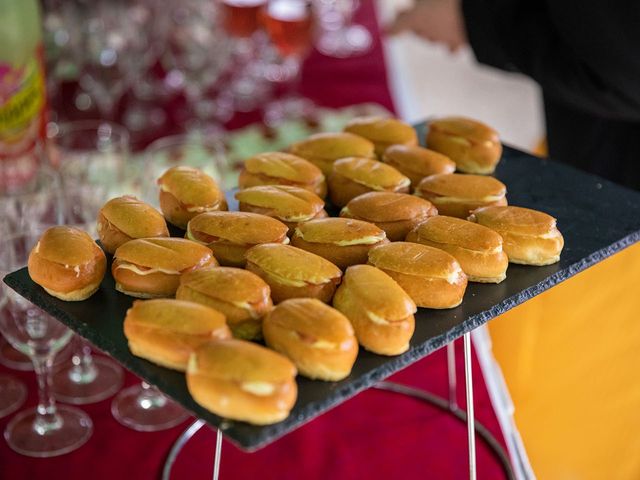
[596, 217]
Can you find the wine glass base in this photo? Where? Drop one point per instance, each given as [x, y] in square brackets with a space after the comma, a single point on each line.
[349, 42]
[75, 429]
[13, 393]
[12, 358]
[130, 411]
[108, 380]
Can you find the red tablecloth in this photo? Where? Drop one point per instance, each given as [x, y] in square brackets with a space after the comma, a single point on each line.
[376, 435]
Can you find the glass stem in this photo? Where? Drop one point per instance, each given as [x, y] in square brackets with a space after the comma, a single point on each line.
[47, 418]
[84, 370]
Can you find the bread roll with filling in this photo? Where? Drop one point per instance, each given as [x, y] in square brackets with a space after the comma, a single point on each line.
[318, 339]
[379, 309]
[383, 132]
[67, 263]
[243, 297]
[417, 162]
[478, 249]
[530, 237]
[322, 149]
[243, 381]
[432, 277]
[166, 331]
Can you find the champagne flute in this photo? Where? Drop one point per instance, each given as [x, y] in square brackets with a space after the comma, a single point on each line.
[90, 157]
[289, 24]
[339, 37]
[47, 430]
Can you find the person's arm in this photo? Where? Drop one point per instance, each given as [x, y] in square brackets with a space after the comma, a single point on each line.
[583, 54]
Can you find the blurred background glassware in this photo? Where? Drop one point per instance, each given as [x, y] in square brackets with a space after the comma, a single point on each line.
[91, 158]
[47, 430]
[337, 35]
[118, 46]
[13, 392]
[251, 51]
[198, 55]
[289, 24]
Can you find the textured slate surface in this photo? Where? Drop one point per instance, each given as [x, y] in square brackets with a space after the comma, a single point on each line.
[596, 217]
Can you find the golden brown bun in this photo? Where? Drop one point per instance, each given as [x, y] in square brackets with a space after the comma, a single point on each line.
[379, 309]
[383, 132]
[288, 204]
[530, 236]
[322, 149]
[186, 192]
[431, 277]
[230, 234]
[417, 162]
[354, 176]
[318, 339]
[240, 380]
[124, 218]
[292, 272]
[474, 146]
[342, 241]
[67, 263]
[395, 213]
[278, 168]
[478, 249]
[167, 332]
[151, 267]
[457, 195]
[244, 298]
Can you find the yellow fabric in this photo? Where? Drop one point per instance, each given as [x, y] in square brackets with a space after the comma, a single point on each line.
[571, 360]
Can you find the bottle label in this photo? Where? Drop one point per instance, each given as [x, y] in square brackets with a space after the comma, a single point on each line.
[22, 119]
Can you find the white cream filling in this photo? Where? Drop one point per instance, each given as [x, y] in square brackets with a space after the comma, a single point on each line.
[133, 268]
[487, 199]
[77, 270]
[453, 277]
[361, 241]
[200, 209]
[298, 218]
[405, 182]
[323, 344]
[287, 281]
[261, 389]
[377, 319]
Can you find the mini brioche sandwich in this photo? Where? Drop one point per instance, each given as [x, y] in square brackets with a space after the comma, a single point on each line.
[379, 309]
[278, 168]
[478, 249]
[383, 132]
[354, 176]
[244, 381]
[243, 297]
[432, 277]
[318, 339]
[530, 237]
[151, 267]
[124, 218]
[322, 149]
[457, 195]
[231, 234]
[417, 162]
[292, 272]
[290, 205]
[396, 213]
[166, 331]
[67, 263]
[474, 146]
[342, 241]
[186, 192]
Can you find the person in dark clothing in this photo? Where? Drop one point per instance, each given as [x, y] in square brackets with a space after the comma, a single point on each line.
[584, 54]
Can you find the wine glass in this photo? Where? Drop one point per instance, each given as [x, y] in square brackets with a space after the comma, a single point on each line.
[143, 407]
[90, 157]
[198, 53]
[47, 430]
[34, 202]
[289, 24]
[12, 391]
[339, 37]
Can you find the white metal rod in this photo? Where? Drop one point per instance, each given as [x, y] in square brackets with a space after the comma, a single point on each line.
[216, 460]
[453, 380]
[471, 432]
